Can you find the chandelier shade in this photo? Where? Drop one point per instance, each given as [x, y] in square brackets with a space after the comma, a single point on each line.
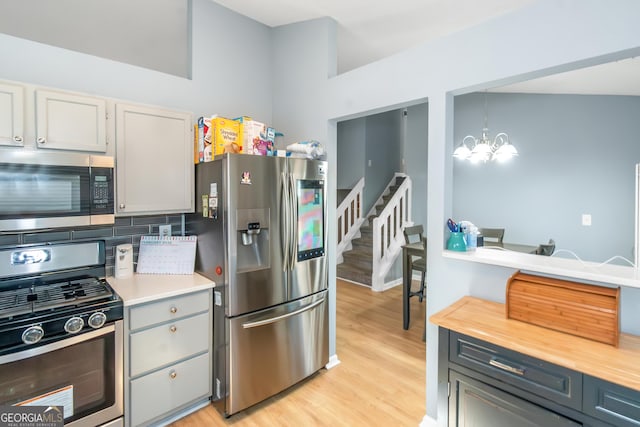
[483, 149]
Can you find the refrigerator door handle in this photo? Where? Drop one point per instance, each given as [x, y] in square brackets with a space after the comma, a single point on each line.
[293, 243]
[284, 221]
[282, 316]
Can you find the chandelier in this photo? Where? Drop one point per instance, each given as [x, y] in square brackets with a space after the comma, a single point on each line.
[483, 148]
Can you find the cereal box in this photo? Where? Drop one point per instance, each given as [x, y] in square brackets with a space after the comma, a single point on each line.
[252, 132]
[225, 136]
[205, 136]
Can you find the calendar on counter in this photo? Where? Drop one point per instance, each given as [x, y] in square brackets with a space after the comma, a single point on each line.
[167, 255]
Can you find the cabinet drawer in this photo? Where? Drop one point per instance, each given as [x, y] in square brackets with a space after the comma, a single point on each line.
[544, 379]
[473, 403]
[612, 403]
[167, 389]
[168, 309]
[167, 343]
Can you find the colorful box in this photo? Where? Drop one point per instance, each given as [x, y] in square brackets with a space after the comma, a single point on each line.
[225, 135]
[200, 136]
[196, 148]
[252, 132]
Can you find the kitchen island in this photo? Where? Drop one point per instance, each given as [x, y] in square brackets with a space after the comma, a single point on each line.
[532, 373]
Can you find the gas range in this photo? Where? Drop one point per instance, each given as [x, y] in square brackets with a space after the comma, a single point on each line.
[52, 292]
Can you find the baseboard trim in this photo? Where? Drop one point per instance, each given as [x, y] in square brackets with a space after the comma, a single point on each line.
[427, 421]
[333, 362]
[388, 285]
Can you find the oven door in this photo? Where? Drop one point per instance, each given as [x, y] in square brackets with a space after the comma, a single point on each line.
[82, 373]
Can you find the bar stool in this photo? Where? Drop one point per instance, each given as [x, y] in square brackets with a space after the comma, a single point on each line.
[413, 234]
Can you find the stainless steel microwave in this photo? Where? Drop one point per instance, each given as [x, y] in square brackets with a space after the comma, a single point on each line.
[50, 189]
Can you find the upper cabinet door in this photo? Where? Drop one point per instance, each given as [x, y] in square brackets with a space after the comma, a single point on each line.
[11, 115]
[154, 161]
[70, 122]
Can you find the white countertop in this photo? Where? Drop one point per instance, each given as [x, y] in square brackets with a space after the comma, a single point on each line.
[596, 272]
[141, 288]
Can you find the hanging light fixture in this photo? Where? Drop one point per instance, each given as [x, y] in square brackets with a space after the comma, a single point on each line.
[483, 149]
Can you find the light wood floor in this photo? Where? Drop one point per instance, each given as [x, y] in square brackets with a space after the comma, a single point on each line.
[379, 382]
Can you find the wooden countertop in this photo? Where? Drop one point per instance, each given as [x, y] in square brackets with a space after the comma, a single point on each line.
[487, 321]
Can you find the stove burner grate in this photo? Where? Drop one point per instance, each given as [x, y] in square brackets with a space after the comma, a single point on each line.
[15, 302]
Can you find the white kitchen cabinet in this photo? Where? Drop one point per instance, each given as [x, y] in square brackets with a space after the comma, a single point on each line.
[67, 121]
[154, 161]
[167, 357]
[11, 115]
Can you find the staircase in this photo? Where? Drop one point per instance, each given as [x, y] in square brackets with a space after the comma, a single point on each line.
[382, 229]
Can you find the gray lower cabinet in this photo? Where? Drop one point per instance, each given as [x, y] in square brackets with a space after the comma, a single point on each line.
[612, 403]
[167, 358]
[473, 403]
[492, 386]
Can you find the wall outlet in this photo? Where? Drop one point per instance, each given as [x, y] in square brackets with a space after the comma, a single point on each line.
[164, 231]
[586, 219]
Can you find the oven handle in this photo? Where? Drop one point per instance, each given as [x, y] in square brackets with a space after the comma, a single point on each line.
[25, 354]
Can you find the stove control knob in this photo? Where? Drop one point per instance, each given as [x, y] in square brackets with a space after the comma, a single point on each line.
[74, 325]
[97, 319]
[32, 334]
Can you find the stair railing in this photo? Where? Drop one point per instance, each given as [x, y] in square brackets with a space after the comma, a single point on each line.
[350, 218]
[387, 231]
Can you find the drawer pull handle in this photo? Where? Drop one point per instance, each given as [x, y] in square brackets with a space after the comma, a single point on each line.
[505, 367]
[173, 374]
[173, 310]
[173, 328]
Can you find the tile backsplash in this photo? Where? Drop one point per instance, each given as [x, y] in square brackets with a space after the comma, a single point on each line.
[124, 230]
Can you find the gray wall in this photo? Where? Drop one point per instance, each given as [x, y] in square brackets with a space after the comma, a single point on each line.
[415, 159]
[154, 34]
[351, 152]
[224, 82]
[577, 155]
[411, 134]
[383, 153]
[371, 147]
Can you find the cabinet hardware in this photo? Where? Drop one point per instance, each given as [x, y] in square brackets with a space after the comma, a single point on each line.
[121, 206]
[173, 374]
[173, 328]
[41, 140]
[17, 138]
[505, 367]
[173, 310]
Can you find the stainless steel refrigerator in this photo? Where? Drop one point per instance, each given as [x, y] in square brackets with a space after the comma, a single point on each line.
[261, 224]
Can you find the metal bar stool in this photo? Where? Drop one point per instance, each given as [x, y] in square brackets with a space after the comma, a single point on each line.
[413, 235]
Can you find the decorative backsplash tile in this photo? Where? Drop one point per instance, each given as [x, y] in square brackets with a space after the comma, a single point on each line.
[124, 230]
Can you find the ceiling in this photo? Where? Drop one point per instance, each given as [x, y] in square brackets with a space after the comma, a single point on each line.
[369, 31]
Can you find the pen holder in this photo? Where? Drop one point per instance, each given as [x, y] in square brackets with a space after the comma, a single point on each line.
[456, 242]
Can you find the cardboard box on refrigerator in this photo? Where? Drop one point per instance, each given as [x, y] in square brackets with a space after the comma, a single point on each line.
[225, 136]
[255, 137]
